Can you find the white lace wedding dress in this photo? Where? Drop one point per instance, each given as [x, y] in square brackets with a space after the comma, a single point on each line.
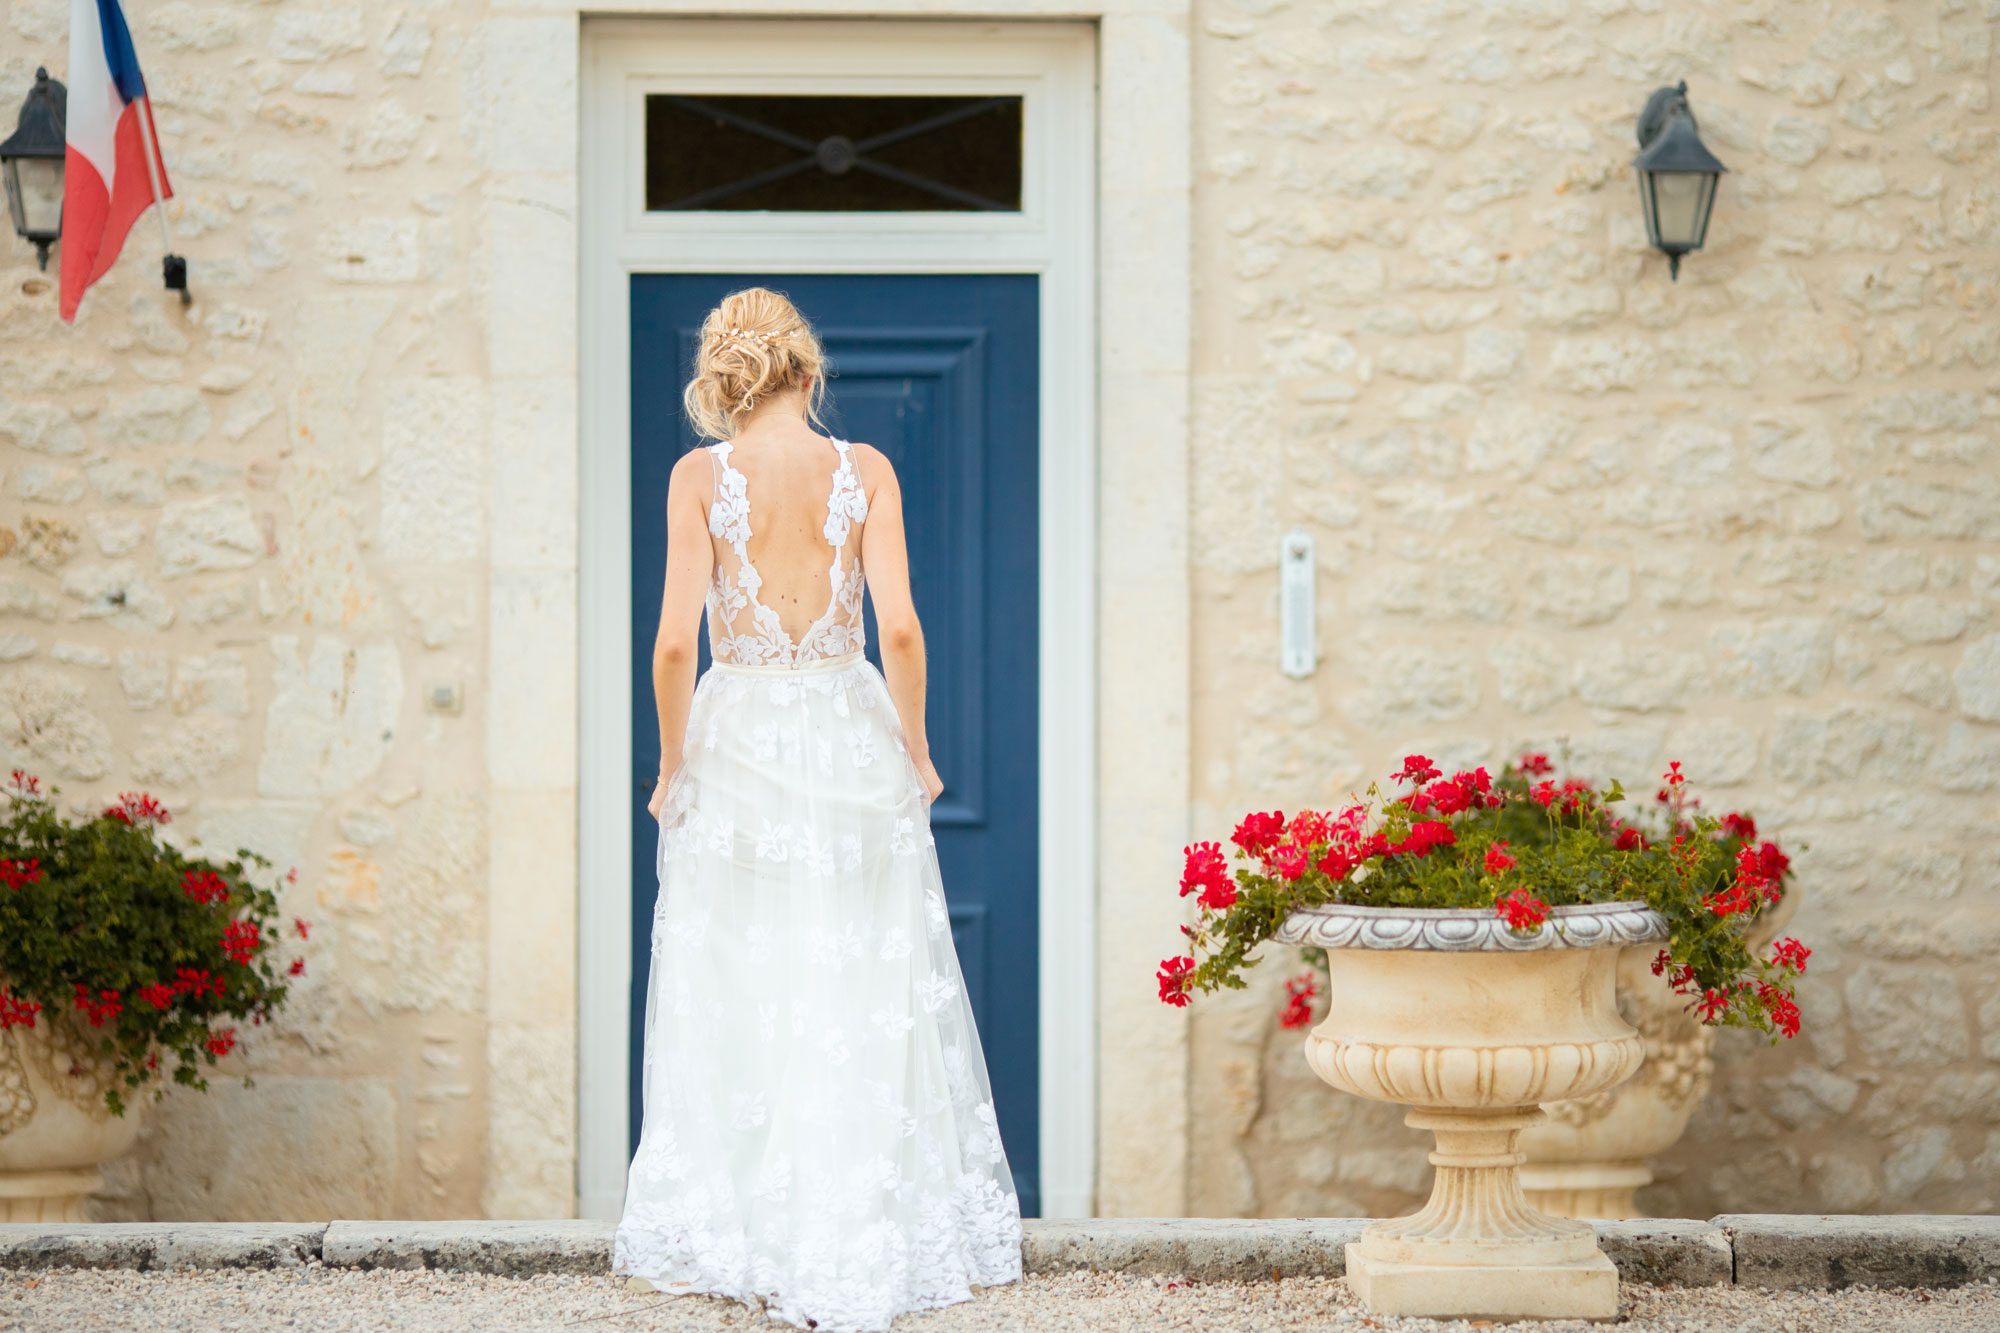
[819, 1132]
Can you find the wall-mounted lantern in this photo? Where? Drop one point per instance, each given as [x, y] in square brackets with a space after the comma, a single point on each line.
[1677, 176]
[31, 161]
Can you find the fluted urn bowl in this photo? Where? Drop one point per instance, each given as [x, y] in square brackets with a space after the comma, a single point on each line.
[1473, 1026]
[55, 1130]
[1592, 1155]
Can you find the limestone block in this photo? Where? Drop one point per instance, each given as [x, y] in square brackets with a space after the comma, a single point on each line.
[46, 483]
[515, 67]
[116, 593]
[533, 487]
[1977, 679]
[48, 726]
[241, 1154]
[404, 47]
[309, 36]
[152, 1247]
[1195, 1249]
[372, 250]
[161, 416]
[216, 683]
[178, 753]
[1790, 1252]
[1907, 1016]
[433, 475]
[142, 674]
[45, 428]
[217, 532]
[516, 1249]
[78, 654]
[531, 1127]
[332, 717]
[115, 534]
[126, 483]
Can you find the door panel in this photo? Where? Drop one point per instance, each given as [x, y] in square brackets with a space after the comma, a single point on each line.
[940, 373]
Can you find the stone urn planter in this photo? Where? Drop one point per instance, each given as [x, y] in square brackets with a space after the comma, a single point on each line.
[1474, 1026]
[55, 1130]
[1592, 1155]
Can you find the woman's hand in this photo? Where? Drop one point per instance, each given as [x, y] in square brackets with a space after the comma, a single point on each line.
[933, 784]
[658, 798]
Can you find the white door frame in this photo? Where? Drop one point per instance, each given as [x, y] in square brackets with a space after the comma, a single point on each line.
[1051, 64]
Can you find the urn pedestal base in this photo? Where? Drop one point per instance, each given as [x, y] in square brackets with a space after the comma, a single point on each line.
[1478, 1249]
[1586, 1289]
[1586, 1189]
[48, 1196]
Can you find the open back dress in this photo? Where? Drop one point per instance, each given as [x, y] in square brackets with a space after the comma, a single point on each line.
[819, 1133]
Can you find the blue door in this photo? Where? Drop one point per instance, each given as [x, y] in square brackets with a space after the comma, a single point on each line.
[940, 373]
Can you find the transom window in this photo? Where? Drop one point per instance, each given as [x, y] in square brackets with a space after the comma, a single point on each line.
[843, 154]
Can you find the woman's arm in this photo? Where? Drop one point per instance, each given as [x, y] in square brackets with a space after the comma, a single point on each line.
[887, 560]
[690, 563]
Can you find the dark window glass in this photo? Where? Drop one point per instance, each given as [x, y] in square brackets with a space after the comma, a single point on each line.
[833, 154]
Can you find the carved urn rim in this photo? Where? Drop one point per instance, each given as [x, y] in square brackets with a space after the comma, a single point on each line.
[1470, 929]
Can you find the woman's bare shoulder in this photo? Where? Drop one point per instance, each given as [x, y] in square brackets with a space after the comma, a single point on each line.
[693, 474]
[873, 465]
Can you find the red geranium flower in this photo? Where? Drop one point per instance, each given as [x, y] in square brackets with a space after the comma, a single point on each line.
[1205, 866]
[1788, 953]
[1257, 834]
[197, 981]
[221, 1041]
[14, 1012]
[1535, 765]
[298, 967]
[1424, 835]
[20, 874]
[204, 886]
[240, 939]
[106, 1006]
[300, 926]
[25, 783]
[1497, 860]
[157, 995]
[1629, 839]
[1417, 769]
[1784, 1010]
[1174, 980]
[1522, 910]
[134, 806]
[1298, 1005]
[1543, 792]
[1738, 825]
[1712, 1005]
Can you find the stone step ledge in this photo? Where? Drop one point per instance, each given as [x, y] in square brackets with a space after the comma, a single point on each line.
[1771, 1250]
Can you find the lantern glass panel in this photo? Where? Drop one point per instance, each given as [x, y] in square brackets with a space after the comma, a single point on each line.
[35, 195]
[1678, 207]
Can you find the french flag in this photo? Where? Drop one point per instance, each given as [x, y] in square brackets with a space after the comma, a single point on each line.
[112, 169]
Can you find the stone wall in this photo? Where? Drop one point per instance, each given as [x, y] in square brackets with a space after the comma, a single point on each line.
[250, 553]
[1750, 521]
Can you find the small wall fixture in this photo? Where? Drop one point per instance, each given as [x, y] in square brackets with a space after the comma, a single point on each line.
[1677, 176]
[31, 162]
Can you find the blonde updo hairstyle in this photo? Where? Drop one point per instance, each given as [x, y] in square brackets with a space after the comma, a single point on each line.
[754, 344]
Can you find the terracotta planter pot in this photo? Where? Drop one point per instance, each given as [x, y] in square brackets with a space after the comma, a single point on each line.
[1473, 1027]
[1592, 1155]
[54, 1128]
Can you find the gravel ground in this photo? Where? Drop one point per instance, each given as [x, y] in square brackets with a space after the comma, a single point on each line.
[315, 1297]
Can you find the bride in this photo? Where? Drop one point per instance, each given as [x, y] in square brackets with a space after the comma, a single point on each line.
[818, 1131]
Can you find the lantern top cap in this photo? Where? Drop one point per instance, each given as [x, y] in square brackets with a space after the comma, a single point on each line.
[39, 133]
[1668, 137]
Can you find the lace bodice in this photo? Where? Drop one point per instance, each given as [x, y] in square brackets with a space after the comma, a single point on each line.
[741, 628]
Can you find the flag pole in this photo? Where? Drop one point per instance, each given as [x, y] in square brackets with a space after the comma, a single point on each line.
[174, 266]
